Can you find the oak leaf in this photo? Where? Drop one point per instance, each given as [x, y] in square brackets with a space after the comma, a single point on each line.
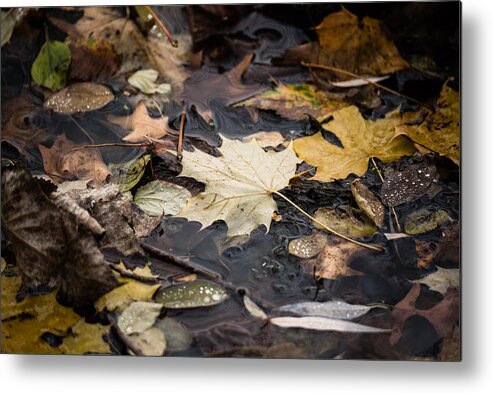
[362, 139]
[239, 185]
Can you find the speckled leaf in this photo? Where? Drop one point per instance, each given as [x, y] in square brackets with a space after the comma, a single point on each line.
[425, 220]
[161, 197]
[80, 97]
[138, 317]
[128, 174]
[178, 337]
[441, 280]
[192, 294]
[325, 324]
[307, 246]
[51, 65]
[368, 202]
[332, 309]
[346, 220]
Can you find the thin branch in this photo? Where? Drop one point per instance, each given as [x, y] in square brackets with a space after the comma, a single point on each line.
[161, 25]
[179, 151]
[134, 276]
[110, 145]
[370, 246]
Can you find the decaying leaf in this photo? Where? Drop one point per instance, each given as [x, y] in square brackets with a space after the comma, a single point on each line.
[408, 185]
[296, 102]
[178, 337]
[441, 280]
[80, 97]
[358, 46]
[151, 342]
[62, 162]
[307, 246]
[325, 324]
[425, 254]
[442, 316]
[345, 220]
[139, 317]
[8, 21]
[439, 132]
[361, 139]
[51, 66]
[160, 197]
[425, 220]
[368, 202]
[238, 185]
[254, 309]
[145, 81]
[128, 174]
[192, 294]
[332, 309]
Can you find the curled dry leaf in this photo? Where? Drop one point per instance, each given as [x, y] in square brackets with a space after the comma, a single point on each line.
[80, 97]
[368, 202]
[307, 246]
[61, 162]
[345, 220]
[361, 139]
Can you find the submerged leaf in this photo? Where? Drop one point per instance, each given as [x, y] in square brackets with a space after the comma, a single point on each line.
[332, 309]
[86, 338]
[51, 66]
[129, 173]
[307, 246]
[151, 342]
[345, 220]
[178, 337]
[325, 324]
[192, 294]
[145, 81]
[138, 317]
[425, 220]
[160, 197]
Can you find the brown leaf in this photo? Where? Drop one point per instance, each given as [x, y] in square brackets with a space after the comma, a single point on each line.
[424, 253]
[368, 202]
[442, 316]
[448, 248]
[358, 46]
[60, 162]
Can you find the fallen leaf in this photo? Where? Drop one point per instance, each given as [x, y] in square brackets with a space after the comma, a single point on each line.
[62, 162]
[238, 185]
[126, 175]
[8, 21]
[138, 317]
[160, 197]
[441, 280]
[296, 102]
[361, 139]
[192, 294]
[145, 81]
[86, 338]
[359, 82]
[152, 342]
[358, 46]
[51, 65]
[425, 220]
[331, 309]
[79, 97]
[254, 309]
[448, 247]
[442, 316]
[325, 324]
[345, 220]
[368, 202]
[307, 246]
[408, 185]
[266, 138]
[425, 254]
[451, 348]
[178, 336]
[439, 132]
[142, 125]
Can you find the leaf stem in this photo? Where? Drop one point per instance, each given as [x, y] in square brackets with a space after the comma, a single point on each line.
[162, 27]
[369, 246]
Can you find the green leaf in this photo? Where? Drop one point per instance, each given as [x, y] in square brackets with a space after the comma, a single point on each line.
[129, 173]
[51, 65]
[425, 220]
[347, 220]
[160, 197]
[192, 294]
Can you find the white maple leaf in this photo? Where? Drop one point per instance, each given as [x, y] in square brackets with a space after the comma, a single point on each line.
[238, 186]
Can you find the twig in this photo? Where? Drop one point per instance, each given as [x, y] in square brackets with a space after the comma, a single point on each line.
[110, 145]
[159, 22]
[179, 151]
[134, 276]
[356, 76]
[370, 246]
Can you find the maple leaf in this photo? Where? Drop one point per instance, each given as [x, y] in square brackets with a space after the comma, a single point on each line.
[362, 139]
[239, 185]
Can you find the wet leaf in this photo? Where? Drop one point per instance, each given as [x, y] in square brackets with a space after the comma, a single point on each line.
[442, 316]
[296, 102]
[178, 337]
[60, 161]
[192, 294]
[425, 254]
[307, 246]
[358, 82]
[425, 220]
[408, 185]
[441, 280]
[361, 139]
[358, 46]
[332, 309]
[152, 342]
[368, 202]
[128, 174]
[239, 185]
[266, 138]
[8, 21]
[159, 197]
[439, 132]
[345, 220]
[145, 81]
[325, 324]
[138, 317]
[254, 309]
[80, 97]
[86, 338]
[51, 65]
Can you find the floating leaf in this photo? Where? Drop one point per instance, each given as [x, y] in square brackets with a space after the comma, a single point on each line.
[178, 337]
[192, 294]
[239, 184]
[332, 309]
[254, 309]
[51, 66]
[368, 202]
[80, 97]
[138, 317]
[425, 220]
[128, 174]
[361, 139]
[325, 324]
[345, 220]
[160, 197]
[145, 81]
[441, 280]
[152, 342]
[307, 246]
